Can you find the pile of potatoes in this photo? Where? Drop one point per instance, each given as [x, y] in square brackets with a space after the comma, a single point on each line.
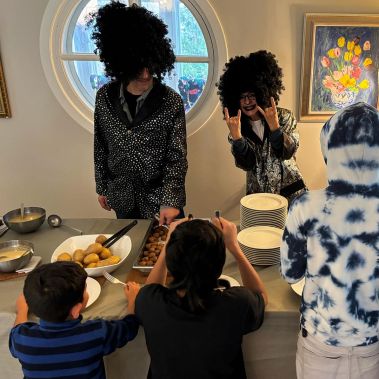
[94, 256]
[153, 247]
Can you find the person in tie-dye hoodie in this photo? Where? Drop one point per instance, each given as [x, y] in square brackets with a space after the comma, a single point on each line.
[332, 239]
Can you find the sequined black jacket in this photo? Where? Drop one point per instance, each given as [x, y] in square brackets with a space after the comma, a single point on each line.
[142, 164]
[270, 164]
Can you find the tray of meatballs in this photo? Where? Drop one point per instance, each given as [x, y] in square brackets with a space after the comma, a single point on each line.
[151, 248]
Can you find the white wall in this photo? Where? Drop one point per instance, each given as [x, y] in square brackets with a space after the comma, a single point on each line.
[46, 157]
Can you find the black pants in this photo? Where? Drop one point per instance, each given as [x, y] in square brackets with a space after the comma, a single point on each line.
[135, 214]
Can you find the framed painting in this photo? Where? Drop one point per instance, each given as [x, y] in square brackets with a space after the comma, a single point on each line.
[340, 63]
[4, 103]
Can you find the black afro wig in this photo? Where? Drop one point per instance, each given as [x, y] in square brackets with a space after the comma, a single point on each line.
[129, 39]
[258, 73]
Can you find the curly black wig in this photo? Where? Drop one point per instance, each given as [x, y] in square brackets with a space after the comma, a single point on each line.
[258, 73]
[129, 39]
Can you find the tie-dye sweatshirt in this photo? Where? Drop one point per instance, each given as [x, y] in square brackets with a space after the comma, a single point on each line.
[332, 235]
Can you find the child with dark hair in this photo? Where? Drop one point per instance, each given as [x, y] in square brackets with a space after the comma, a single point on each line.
[61, 346]
[140, 131]
[193, 329]
[264, 138]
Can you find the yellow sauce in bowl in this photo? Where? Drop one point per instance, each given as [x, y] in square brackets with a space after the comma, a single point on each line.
[27, 217]
[9, 255]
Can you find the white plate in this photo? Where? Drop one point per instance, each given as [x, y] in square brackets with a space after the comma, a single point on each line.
[121, 248]
[233, 282]
[264, 201]
[298, 286]
[261, 237]
[93, 289]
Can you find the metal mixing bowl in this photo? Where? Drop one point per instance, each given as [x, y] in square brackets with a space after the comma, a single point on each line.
[15, 264]
[25, 226]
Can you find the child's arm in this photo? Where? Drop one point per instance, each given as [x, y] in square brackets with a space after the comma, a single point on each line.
[131, 290]
[250, 278]
[22, 310]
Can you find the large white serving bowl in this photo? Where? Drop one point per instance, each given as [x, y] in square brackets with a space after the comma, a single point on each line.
[121, 248]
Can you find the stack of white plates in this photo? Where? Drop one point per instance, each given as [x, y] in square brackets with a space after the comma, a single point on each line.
[266, 209]
[261, 244]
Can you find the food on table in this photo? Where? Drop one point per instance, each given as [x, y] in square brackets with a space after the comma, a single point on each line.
[9, 255]
[105, 253]
[64, 257]
[112, 260]
[153, 247]
[27, 217]
[94, 248]
[91, 258]
[101, 239]
[95, 255]
[78, 255]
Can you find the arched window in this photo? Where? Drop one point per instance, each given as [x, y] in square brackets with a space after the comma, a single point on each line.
[75, 73]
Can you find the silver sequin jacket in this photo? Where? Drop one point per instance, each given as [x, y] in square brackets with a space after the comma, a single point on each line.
[141, 164]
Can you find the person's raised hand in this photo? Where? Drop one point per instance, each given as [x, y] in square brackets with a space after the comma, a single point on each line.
[271, 115]
[229, 231]
[234, 124]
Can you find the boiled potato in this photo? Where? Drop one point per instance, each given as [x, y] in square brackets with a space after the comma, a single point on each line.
[91, 258]
[105, 253]
[64, 257]
[94, 248]
[79, 263]
[91, 265]
[100, 239]
[78, 255]
[112, 260]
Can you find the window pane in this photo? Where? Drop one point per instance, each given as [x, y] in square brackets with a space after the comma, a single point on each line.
[88, 77]
[184, 30]
[188, 79]
[81, 41]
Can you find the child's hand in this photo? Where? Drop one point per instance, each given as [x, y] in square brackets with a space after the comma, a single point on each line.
[131, 290]
[21, 305]
[173, 226]
[229, 231]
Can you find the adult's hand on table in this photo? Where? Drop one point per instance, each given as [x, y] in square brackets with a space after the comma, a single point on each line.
[234, 124]
[271, 115]
[167, 215]
[104, 202]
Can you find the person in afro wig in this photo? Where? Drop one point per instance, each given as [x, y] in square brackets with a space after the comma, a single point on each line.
[263, 137]
[140, 132]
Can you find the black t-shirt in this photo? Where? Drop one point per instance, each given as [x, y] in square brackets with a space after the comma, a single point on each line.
[184, 345]
[132, 102]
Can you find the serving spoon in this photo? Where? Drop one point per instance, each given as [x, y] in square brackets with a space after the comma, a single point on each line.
[55, 221]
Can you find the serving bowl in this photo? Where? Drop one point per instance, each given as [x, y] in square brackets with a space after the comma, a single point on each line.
[32, 220]
[121, 248]
[15, 248]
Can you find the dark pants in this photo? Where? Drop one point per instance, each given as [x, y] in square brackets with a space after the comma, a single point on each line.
[135, 214]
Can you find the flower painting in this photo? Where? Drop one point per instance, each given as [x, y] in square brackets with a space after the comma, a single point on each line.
[341, 66]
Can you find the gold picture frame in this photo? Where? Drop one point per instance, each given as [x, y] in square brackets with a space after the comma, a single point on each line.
[5, 110]
[340, 63]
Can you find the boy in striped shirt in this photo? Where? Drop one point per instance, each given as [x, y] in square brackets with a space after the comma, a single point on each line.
[60, 345]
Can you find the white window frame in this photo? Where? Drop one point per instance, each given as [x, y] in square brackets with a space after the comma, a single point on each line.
[54, 29]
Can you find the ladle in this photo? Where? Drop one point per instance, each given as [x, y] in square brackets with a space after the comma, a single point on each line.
[22, 211]
[55, 221]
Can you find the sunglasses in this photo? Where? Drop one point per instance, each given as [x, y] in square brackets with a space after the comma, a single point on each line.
[248, 96]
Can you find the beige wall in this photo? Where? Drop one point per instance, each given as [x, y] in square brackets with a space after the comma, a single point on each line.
[46, 157]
